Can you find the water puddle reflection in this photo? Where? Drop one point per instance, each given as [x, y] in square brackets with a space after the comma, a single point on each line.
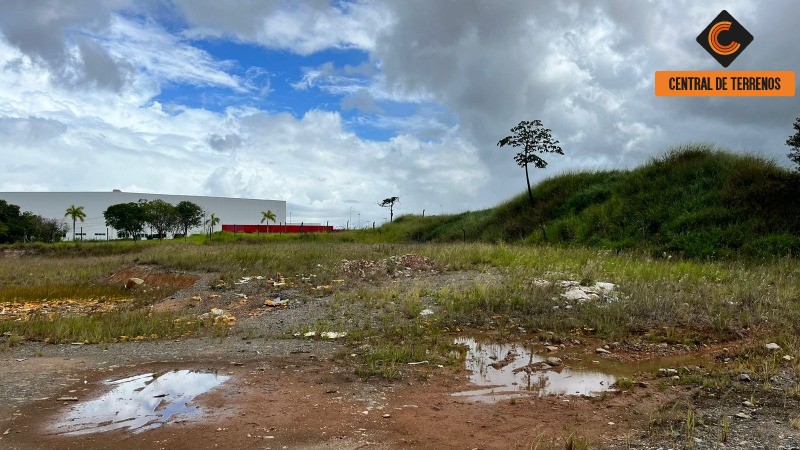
[509, 370]
[139, 403]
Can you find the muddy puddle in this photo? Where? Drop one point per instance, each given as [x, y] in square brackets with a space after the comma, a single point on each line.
[505, 371]
[139, 403]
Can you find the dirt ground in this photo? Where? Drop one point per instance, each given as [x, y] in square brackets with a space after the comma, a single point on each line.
[289, 394]
[286, 392]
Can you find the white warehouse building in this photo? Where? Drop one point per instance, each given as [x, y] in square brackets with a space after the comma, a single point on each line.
[231, 211]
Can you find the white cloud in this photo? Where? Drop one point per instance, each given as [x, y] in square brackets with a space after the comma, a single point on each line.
[300, 27]
[164, 56]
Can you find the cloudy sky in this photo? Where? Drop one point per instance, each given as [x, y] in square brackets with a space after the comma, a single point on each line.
[333, 105]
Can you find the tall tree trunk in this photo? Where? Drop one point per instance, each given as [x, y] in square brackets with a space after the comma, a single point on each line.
[528, 180]
[73, 230]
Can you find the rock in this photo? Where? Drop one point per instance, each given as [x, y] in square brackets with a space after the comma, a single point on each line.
[67, 399]
[605, 286]
[133, 282]
[602, 351]
[552, 348]
[333, 334]
[568, 284]
[742, 415]
[788, 357]
[748, 403]
[744, 377]
[575, 295]
[553, 361]
[386, 416]
[276, 302]
[542, 283]
[426, 312]
[772, 346]
[544, 366]
[310, 334]
[667, 372]
[196, 298]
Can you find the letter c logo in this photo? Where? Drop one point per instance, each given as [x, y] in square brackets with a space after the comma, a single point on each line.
[713, 39]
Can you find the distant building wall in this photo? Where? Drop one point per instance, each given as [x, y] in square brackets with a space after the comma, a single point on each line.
[280, 228]
[55, 204]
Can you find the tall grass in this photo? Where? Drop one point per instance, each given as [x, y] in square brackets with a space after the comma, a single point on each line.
[107, 327]
[696, 201]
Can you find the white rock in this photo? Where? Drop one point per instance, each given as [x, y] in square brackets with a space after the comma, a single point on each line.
[602, 351]
[426, 312]
[575, 295]
[667, 372]
[772, 346]
[333, 334]
[605, 286]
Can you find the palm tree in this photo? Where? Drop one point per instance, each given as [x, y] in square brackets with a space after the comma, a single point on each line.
[213, 220]
[75, 213]
[267, 215]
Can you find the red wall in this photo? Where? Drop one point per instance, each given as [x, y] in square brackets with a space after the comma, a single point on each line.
[278, 228]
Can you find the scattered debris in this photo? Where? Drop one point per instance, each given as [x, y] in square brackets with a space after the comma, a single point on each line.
[667, 372]
[333, 334]
[275, 303]
[574, 291]
[219, 316]
[394, 266]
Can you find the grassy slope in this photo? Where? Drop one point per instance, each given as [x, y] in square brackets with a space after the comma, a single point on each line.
[695, 200]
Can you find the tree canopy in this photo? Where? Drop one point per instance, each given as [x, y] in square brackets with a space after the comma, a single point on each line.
[128, 218]
[26, 226]
[533, 138]
[188, 215]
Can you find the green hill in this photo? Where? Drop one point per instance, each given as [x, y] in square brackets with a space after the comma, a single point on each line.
[695, 201]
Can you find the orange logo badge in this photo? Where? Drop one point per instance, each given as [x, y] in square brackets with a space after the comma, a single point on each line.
[725, 38]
